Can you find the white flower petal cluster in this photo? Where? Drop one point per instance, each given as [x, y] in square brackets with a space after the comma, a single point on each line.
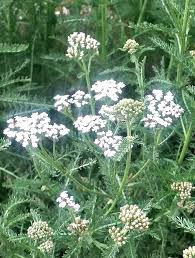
[65, 200]
[133, 217]
[108, 142]
[107, 88]
[79, 226]
[88, 123]
[162, 110]
[184, 189]
[108, 112]
[29, 130]
[189, 252]
[131, 46]
[118, 235]
[81, 45]
[80, 98]
[62, 10]
[61, 102]
[47, 246]
[39, 230]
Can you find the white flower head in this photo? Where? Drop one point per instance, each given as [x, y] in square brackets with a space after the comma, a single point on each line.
[65, 200]
[81, 45]
[131, 46]
[108, 112]
[62, 102]
[108, 142]
[30, 130]
[161, 109]
[89, 123]
[107, 88]
[80, 98]
[189, 252]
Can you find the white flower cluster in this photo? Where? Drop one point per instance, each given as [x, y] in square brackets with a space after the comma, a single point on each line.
[162, 109]
[184, 189]
[88, 123]
[29, 130]
[131, 46]
[79, 226]
[47, 246]
[79, 99]
[108, 142]
[108, 112]
[65, 200]
[81, 45]
[39, 230]
[133, 217]
[189, 252]
[62, 10]
[107, 88]
[61, 102]
[118, 235]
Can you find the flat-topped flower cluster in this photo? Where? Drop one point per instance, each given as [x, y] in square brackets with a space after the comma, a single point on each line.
[161, 109]
[133, 218]
[29, 130]
[81, 45]
[78, 99]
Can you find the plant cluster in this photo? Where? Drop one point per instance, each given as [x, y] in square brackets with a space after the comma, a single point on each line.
[97, 129]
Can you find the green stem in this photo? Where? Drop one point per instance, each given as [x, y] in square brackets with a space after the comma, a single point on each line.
[183, 39]
[125, 177]
[32, 61]
[186, 145]
[86, 70]
[141, 169]
[103, 28]
[142, 12]
[156, 142]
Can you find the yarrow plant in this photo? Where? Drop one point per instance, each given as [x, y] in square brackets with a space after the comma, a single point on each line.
[107, 89]
[78, 99]
[30, 130]
[115, 155]
[189, 252]
[161, 109]
[65, 200]
[131, 46]
[108, 142]
[118, 235]
[46, 247]
[81, 45]
[89, 123]
[79, 226]
[39, 230]
[184, 190]
[133, 219]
